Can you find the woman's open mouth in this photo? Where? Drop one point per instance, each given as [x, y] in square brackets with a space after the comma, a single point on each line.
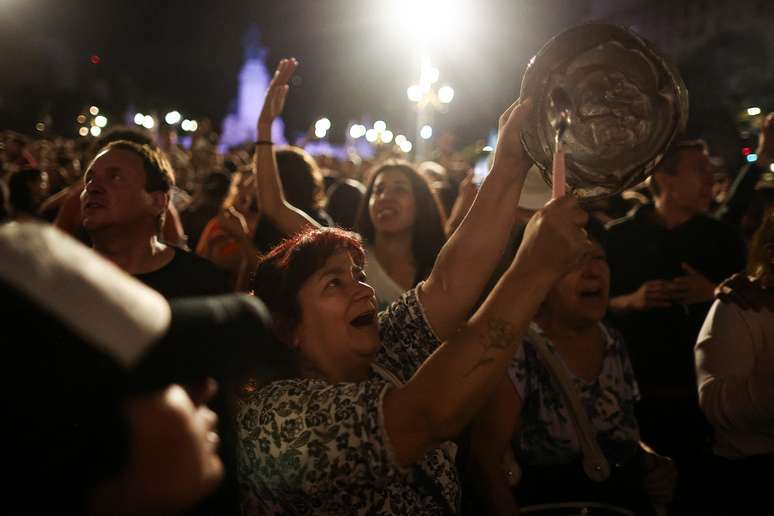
[591, 293]
[364, 319]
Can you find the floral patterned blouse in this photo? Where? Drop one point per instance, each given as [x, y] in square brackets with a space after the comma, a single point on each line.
[547, 436]
[309, 447]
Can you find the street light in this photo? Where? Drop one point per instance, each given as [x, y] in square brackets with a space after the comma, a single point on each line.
[428, 100]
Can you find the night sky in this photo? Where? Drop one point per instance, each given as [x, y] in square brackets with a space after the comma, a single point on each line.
[167, 54]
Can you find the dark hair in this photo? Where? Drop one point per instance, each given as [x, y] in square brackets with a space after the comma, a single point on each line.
[301, 179]
[758, 262]
[121, 133]
[281, 273]
[669, 162]
[158, 172]
[344, 198]
[19, 195]
[428, 235]
[215, 186]
[159, 176]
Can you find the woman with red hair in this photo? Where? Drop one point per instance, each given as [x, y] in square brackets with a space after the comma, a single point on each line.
[359, 417]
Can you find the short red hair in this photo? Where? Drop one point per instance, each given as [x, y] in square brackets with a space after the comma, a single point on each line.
[282, 272]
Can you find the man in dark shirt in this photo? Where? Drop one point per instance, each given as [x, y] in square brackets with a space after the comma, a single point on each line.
[666, 260]
[124, 200]
[123, 204]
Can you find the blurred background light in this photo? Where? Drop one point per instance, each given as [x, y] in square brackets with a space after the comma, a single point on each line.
[100, 121]
[148, 122]
[426, 132]
[172, 117]
[357, 131]
[445, 94]
[405, 146]
[414, 93]
[95, 131]
[371, 135]
[380, 126]
[139, 118]
[387, 136]
[752, 111]
[94, 110]
[83, 131]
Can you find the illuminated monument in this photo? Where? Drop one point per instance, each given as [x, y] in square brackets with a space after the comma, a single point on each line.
[239, 125]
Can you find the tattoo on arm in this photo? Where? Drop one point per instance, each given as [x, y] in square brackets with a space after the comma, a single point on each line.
[497, 336]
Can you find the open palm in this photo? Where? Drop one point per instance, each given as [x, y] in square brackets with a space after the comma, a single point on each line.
[276, 94]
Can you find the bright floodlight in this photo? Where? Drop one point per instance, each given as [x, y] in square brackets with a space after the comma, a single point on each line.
[83, 131]
[172, 117]
[320, 132]
[148, 122]
[81, 119]
[771, 167]
[357, 131]
[380, 126]
[387, 136]
[414, 93]
[371, 135]
[95, 131]
[323, 124]
[426, 132]
[752, 111]
[445, 94]
[428, 75]
[139, 118]
[101, 121]
[193, 126]
[400, 139]
[426, 23]
[405, 146]
[487, 148]
[94, 110]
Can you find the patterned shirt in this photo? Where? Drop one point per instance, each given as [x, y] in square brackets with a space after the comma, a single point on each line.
[548, 436]
[309, 447]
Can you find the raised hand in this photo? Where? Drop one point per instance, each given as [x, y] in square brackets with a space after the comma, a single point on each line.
[510, 151]
[275, 96]
[555, 239]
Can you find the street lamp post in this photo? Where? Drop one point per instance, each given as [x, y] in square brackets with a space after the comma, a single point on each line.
[428, 99]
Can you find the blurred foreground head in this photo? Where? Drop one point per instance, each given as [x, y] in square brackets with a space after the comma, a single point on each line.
[107, 382]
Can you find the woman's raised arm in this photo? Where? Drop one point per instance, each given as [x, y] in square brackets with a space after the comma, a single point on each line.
[450, 386]
[270, 196]
[470, 256]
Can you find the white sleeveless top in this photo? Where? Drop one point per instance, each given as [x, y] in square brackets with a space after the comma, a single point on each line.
[386, 289]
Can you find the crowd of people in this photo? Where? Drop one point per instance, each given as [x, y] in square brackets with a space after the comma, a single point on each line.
[267, 332]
